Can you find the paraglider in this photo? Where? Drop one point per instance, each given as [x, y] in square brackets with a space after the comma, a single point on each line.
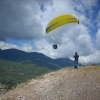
[55, 46]
[59, 21]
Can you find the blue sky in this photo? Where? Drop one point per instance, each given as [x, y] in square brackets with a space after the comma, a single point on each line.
[23, 23]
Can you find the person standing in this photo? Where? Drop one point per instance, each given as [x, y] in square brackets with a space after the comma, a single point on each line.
[76, 56]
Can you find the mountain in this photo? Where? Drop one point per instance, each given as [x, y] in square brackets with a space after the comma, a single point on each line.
[34, 58]
[63, 84]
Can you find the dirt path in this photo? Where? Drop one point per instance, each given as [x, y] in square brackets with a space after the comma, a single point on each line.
[64, 84]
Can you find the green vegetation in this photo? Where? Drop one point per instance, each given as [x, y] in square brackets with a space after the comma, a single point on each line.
[14, 73]
[61, 96]
[75, 99]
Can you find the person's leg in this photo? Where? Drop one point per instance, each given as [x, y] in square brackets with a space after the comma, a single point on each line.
[75, 67]
[76, 64]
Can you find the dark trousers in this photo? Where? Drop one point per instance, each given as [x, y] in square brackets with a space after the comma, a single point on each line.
[76, 64]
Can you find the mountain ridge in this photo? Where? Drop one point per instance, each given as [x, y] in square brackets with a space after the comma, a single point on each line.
[36, 58]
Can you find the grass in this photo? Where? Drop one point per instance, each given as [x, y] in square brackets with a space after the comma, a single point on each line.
[14, 73]
[60, 96]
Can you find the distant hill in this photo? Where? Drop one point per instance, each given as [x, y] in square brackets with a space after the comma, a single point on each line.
[34, 58]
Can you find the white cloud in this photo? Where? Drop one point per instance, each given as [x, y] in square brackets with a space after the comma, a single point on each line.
[92, 58]
[88, 4]
[4, 45]
[98, 39]
[20, 20]
[98, 19]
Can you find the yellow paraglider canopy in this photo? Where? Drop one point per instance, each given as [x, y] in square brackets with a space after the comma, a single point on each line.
[61, 20]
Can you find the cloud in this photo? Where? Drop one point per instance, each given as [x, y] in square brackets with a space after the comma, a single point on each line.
[20, 19]
[98, 19]
[4, 45]
[98, 39]
[92, 58]
[75, 38]
[88, 4]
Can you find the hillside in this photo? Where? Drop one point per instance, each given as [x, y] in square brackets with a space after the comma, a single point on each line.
[38, 59]
[64, 84]
[13, 73]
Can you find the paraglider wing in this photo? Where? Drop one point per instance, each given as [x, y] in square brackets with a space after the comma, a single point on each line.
[61, 20]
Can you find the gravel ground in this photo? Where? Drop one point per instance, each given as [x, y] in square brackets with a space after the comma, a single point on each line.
[64, 84]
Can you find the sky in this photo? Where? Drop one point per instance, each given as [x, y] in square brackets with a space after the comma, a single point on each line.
[23, 24]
